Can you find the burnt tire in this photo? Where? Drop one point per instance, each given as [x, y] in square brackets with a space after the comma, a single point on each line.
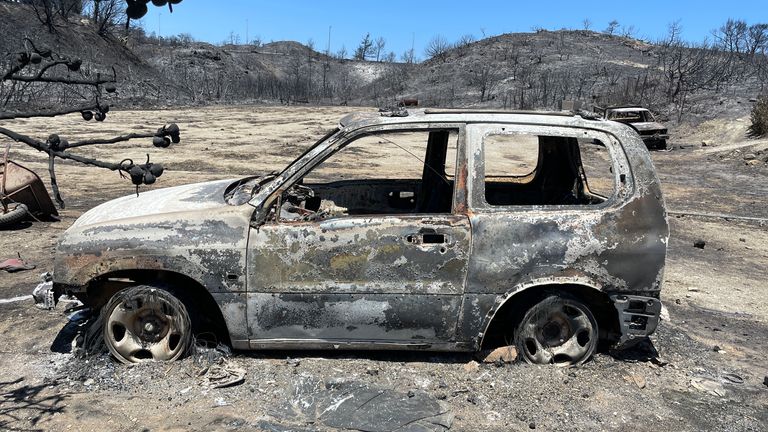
[145, 323]
[16, 213]
[557, 330]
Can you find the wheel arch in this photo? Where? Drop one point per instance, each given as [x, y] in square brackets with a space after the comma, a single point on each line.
[510, 308]
[208, 314]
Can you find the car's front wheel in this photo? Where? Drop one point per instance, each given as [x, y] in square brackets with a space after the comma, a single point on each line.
[557, 330]
[145, 323]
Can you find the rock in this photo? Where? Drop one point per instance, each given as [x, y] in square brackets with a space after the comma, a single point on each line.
[765, 380]
[471, 366]
[750, 156]
[716, 348]
[754, 162]
[708, 386]
[505, 354]
[704, 143]
[664, 314]
[531, 425]
[699, 244]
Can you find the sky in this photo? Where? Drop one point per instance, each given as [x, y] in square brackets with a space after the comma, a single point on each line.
[405, 23]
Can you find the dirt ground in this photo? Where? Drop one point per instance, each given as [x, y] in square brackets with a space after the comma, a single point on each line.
[706, 368]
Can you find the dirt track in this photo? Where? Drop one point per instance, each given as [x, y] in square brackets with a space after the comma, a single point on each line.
[716, 297]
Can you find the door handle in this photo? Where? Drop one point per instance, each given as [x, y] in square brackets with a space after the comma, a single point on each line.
[426, 236]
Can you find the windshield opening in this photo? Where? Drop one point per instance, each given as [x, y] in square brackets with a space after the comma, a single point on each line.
[330, 133]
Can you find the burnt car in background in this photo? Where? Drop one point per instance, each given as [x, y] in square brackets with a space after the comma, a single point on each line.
[441, 230]
[653, 133]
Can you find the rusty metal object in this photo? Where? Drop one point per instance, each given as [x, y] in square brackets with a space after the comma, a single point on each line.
[22, 185]
[426, 264]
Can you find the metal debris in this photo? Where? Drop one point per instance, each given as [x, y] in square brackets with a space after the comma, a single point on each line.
[222, 374]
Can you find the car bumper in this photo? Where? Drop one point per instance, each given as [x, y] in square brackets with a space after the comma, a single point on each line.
[638, 317]
[654, 137]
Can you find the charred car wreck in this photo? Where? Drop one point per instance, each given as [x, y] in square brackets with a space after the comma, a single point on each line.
[653, 133]
[441, 230]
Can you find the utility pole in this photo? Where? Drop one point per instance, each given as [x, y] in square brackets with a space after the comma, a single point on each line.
[247, 41]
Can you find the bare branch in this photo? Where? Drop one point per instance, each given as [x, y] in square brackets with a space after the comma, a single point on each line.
[90, 106]
[54, 182]
[45, 148]
[117, 139]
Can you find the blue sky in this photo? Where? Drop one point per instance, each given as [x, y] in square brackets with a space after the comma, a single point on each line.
[402, 22]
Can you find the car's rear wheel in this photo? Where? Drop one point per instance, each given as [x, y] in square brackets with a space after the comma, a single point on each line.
[557, 330]
[145, 323]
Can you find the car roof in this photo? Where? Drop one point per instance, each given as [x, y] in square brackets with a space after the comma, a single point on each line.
[440, 115]
[628, 109]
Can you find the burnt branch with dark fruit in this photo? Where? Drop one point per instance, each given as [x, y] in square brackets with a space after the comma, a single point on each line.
[38, 65]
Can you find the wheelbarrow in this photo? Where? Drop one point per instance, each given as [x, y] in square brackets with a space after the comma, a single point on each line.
[22, 192]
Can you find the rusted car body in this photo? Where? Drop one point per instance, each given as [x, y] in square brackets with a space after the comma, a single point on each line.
[450, 261]
[653, 133]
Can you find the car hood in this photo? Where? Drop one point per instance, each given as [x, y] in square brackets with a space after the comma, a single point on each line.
[647, 126]
[186, 198]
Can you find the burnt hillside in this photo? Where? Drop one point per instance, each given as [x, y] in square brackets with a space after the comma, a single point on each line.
[514, 71]
[538, 70]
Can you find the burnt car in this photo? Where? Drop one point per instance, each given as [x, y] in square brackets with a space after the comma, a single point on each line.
[440, 230]
[653, 133]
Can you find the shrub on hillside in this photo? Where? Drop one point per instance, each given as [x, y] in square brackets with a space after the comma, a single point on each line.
[759, 118]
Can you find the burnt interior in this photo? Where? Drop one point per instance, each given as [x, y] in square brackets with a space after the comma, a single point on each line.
[558, 179]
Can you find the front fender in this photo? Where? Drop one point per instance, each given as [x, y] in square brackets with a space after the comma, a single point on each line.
[209, 249]
[73, 273]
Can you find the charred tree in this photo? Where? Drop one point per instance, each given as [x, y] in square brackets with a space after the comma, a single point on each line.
[39, 67]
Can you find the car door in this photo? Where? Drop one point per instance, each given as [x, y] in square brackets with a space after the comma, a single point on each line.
[359, 279]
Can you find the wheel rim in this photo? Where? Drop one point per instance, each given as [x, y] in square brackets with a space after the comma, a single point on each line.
[558, 331]
[145, 327]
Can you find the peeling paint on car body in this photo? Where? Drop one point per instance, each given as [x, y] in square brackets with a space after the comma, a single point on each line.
[381, 281]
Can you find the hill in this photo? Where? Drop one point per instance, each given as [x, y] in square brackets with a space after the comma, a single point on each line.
[513, 71]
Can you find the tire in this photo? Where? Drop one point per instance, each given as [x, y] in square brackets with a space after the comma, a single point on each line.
[145, 323]
[15, 215]
[557, 330]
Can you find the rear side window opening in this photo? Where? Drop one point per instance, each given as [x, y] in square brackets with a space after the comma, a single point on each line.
[534, 170]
